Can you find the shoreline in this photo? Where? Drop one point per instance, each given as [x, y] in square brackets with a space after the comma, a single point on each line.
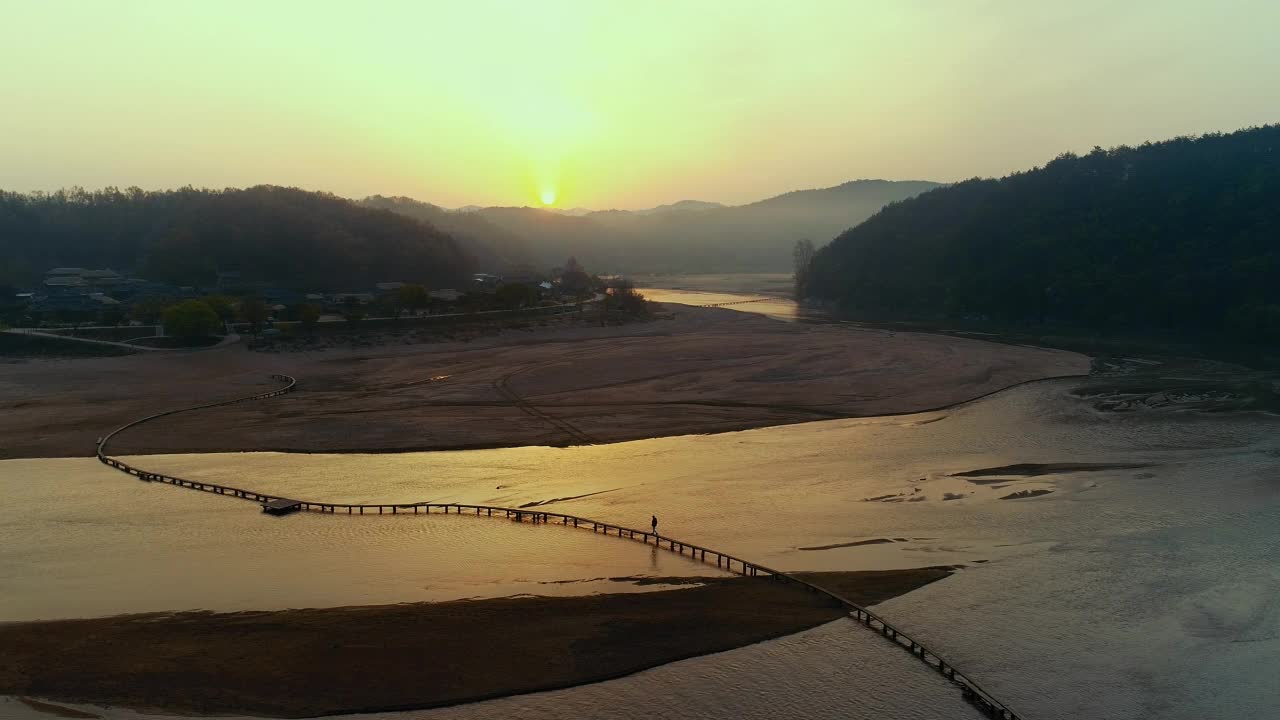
[327, 661]
[566, 443]
[704, 371]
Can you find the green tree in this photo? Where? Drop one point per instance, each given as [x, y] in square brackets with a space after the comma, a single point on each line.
[802, 259]
[191, 319]
[353, 314]
[309, 315]
[255, 312]
[412, 297]
[113, 315]
[385, 306]
[224, 306]
[628, 300]
[575, 280]
[514, 296]
[148, 310]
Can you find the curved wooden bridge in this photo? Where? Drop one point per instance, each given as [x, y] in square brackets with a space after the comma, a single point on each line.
[738, 302]
[972, 692]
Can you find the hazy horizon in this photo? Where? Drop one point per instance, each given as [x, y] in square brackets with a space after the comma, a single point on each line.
[502, 105]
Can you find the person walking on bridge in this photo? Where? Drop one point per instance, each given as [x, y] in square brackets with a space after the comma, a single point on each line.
[654, 524]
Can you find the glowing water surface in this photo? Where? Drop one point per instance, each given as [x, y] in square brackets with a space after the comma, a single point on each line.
[779, 308]
[1138, 592]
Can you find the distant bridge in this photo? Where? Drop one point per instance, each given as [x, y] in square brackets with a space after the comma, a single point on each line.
[738, 302]
[972, 692]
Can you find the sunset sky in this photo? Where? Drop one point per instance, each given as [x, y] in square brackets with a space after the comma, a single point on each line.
[507, 102]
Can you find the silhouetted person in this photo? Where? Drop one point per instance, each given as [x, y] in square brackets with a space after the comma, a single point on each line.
[654, 524]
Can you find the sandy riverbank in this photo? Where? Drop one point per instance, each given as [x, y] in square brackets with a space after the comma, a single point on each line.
[299, 663]
[701, 370]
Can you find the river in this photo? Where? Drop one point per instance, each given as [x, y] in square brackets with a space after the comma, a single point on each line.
[1145, 587]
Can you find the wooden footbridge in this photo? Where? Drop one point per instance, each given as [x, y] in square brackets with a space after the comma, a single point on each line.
[738, 302]
[972, 692]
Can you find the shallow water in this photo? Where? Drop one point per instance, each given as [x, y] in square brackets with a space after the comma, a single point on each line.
[774, 284]
[779, 308]
[91, 541]
[1147, 592]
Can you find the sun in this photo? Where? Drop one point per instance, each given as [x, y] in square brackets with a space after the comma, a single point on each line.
[548, 197]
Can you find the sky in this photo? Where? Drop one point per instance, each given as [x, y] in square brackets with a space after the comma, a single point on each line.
[604, 103]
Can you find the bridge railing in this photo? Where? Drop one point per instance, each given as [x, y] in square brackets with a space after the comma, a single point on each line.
[737, 302]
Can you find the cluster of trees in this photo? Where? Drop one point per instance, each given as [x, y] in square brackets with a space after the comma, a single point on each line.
[209, 315]
[574, 279]
[206, 316]
[298, 239]
[622, 297]
[191, 319]
[1182, 235]
[802, 261]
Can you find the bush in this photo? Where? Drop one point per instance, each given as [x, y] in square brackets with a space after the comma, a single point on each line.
[623, 298]
[191, 319]
[514, 296]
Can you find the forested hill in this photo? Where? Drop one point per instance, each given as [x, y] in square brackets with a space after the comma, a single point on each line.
[493, 247]
[1177, 235]
[292, 238]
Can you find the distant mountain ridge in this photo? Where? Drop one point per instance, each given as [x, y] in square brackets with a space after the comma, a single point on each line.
[679, 206]
[684, 236]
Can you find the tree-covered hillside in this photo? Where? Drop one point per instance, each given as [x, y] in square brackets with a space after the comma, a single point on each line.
[286, 236]
[1182, 235]
[493, 247]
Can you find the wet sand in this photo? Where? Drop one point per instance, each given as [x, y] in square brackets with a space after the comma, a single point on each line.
[300, 663]
[698, 370]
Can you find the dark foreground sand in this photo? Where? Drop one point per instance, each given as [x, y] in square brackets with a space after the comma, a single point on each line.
[700, 370]
[299, 663]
